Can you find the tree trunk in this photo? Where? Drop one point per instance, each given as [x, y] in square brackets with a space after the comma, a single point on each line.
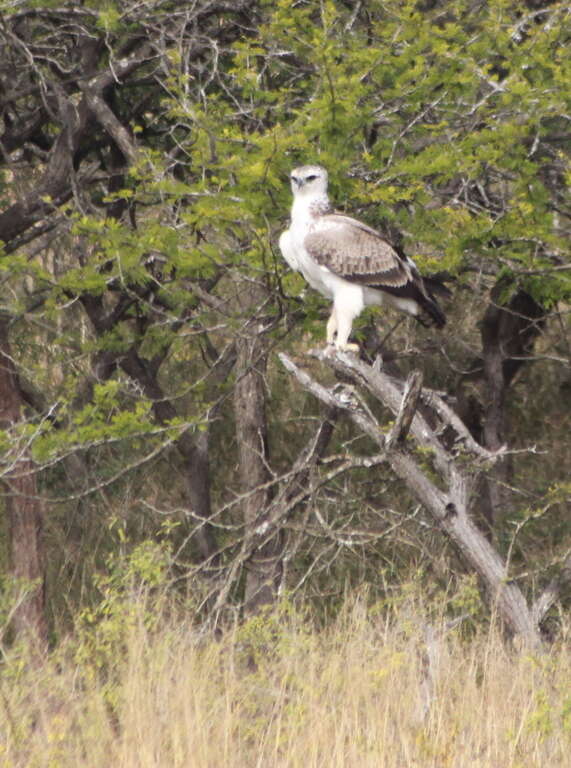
[263, 567]
[508, 334]
[24, 511]
[194, 452]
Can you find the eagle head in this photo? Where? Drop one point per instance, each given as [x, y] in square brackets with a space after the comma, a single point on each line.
[309, 180]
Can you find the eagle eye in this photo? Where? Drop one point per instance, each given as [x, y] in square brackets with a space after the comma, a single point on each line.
[311, 178]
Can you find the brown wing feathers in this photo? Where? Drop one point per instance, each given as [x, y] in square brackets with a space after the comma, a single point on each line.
[354, 251]
[357, 253]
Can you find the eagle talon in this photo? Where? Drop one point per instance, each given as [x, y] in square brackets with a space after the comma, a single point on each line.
[330, 349]
[351, 348]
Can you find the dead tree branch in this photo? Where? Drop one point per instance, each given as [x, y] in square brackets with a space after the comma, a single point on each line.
[447, 502]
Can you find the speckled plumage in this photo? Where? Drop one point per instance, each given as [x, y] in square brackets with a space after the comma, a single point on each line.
[356, 252]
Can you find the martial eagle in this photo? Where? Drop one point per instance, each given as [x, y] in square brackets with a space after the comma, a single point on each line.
[348, 261]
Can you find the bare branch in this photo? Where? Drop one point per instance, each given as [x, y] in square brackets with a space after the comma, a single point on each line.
[449, 507]
[109, 122]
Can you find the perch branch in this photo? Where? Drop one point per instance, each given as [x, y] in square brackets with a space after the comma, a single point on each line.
[447, 502]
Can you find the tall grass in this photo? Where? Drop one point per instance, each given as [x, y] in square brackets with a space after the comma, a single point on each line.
[375, 688]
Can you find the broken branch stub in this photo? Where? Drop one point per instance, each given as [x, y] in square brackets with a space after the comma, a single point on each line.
[409, 404]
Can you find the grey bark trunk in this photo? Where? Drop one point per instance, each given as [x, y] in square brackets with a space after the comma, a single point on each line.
[263, 567]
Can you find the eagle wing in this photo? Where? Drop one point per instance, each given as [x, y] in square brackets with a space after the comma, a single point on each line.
[356, 252]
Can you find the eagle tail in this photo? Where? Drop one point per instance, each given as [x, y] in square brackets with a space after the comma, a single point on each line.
[436, 284]
[430, 307]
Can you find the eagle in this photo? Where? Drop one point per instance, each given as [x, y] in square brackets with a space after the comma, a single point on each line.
[349, 262]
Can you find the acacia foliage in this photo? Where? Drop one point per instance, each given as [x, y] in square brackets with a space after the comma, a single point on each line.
[146, 149]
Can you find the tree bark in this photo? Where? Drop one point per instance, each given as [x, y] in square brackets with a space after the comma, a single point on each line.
[24, 511]
[263, 567]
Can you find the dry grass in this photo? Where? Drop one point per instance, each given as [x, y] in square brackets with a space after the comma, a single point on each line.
[276, 692]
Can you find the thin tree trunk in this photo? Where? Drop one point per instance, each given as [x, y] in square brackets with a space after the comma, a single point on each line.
[24, 511]
[194, 452]
[508, 335]
[291, 494]
[263, 567]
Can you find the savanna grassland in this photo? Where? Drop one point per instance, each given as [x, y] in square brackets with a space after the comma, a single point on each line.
[376, 687]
